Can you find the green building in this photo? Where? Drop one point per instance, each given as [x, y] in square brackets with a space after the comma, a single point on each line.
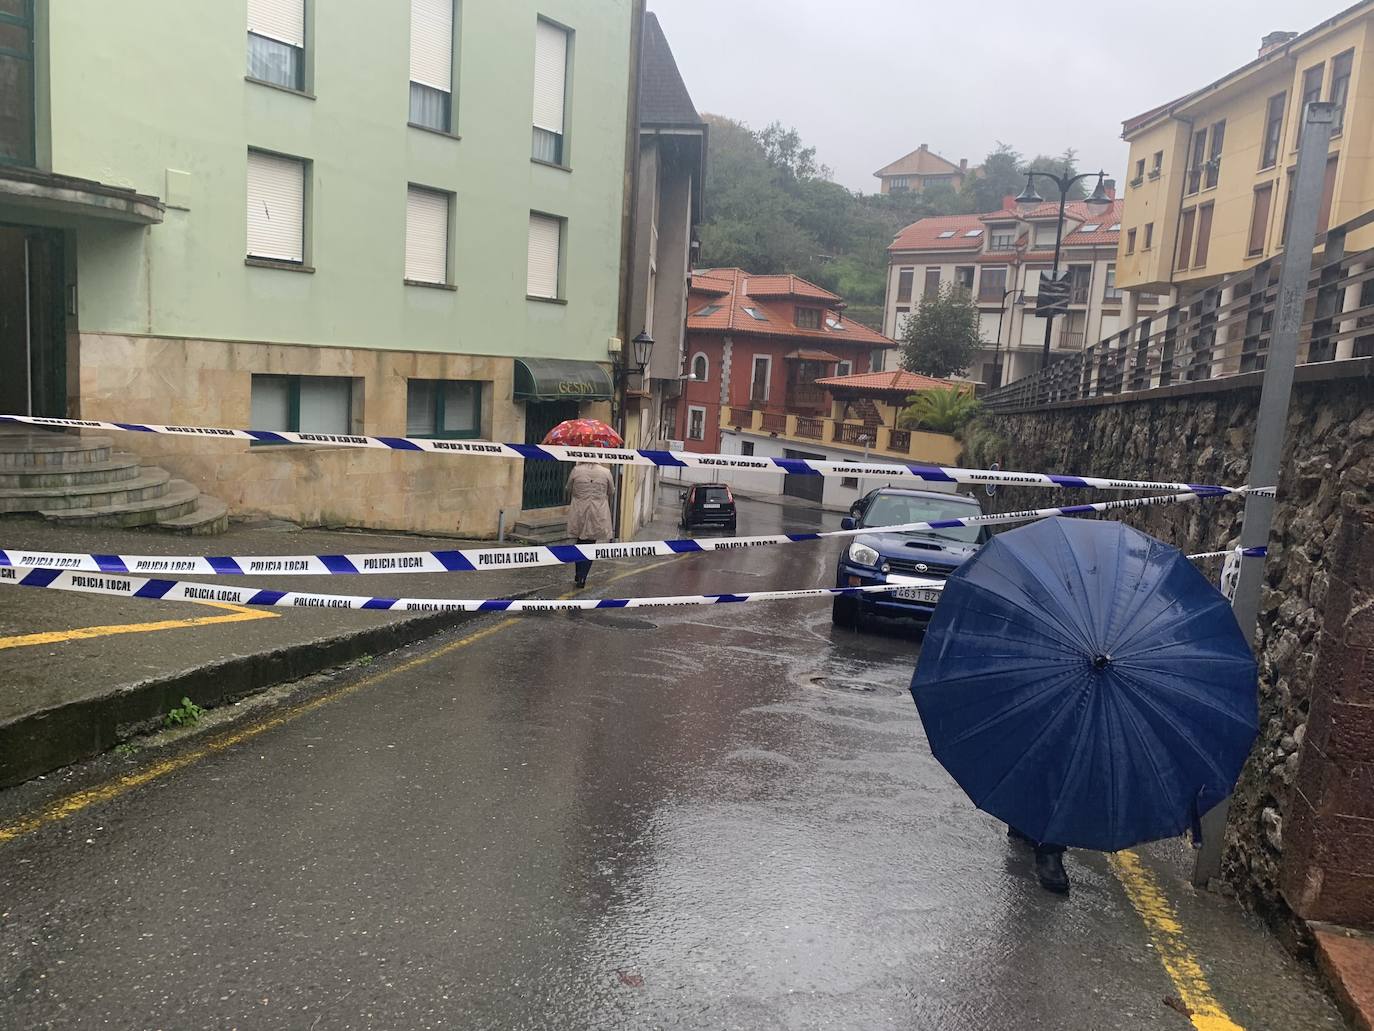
[400, 218]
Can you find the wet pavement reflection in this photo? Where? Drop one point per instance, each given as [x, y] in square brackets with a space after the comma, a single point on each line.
[717, 817]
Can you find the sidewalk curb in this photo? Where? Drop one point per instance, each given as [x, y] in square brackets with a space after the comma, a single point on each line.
[39, 742]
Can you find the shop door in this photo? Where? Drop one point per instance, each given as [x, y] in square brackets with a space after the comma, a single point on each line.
[545, 481]
[796, 485]
[33, 344]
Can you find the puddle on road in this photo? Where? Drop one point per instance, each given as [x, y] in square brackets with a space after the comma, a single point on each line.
[850, 685]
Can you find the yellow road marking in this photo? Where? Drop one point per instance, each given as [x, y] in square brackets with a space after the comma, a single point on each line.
[85, 633]
[1167, 935]
[65, 808]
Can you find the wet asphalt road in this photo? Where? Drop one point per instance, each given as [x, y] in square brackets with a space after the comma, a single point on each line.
[691, 818]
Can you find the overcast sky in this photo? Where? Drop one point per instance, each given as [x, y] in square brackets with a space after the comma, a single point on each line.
[865, 81]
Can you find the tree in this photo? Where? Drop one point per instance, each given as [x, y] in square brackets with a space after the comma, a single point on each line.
[942, 411]
[1002, 176]
[1065, 164]
[942, 336]
[784, 151]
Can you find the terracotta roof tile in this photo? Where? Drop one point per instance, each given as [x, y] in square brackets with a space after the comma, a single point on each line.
[898, 380]
[724, 290]
[925, 234]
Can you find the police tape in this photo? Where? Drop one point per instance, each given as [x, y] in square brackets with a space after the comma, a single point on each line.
[473, 559]
[1259, 552]
[174, 590]
[642, 457]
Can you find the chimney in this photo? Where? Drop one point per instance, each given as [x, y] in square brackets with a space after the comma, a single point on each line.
[1009, 202]
[1273, 41]
[924, 146]
[963, 164]
[1110, 186]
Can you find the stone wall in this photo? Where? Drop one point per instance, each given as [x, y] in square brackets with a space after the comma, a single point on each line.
[1205, 438]
[208, 383]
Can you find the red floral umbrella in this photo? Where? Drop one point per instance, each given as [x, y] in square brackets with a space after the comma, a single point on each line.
[584, 433]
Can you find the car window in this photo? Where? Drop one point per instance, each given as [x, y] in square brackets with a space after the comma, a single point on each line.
[897, 509]
[713, 494]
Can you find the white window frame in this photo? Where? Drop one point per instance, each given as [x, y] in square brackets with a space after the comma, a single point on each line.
[422, 202]
[433, 45]
[767, 360]
[539, 222]
[269, 184]
[844, 368]
[693, 367]
[692, 410]
[283, 22]
[550, 87]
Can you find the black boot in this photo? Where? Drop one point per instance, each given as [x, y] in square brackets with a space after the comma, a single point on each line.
[1049, 869]
[1015, 836]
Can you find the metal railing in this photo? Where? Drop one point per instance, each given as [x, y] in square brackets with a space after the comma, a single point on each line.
[812, 428]
[1219, 332]
[774, 422]
[899, 440]
[848, 433]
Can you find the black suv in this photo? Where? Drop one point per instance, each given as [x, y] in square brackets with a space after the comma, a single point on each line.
[708, 504]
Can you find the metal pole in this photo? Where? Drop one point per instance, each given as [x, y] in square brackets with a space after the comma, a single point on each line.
[1064, 185]
[1272, 417]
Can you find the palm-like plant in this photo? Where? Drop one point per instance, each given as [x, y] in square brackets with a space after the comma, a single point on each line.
[942, 411]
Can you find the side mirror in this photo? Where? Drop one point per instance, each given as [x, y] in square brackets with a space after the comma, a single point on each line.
[848, 523]
[682, 496]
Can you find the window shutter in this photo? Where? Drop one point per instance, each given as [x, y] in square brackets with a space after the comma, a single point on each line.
[431, 43]
[426, 235]
[282, 20]
[542, 277]
[276, 207]
[326, 404]
[550, 76]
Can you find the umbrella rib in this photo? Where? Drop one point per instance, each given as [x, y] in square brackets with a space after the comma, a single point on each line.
[1039, 616]
[1143, 698]
[1136, 632]
[1078, 647]
[1070, 699]
[1136, 724]
[1132, 673]
[1003, 714]
[1074, 758]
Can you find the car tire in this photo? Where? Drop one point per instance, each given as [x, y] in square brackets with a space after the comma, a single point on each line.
[730, 526]
[844, 612]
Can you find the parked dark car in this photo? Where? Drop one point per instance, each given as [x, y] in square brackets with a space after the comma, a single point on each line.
[707, 504]
[932, 554]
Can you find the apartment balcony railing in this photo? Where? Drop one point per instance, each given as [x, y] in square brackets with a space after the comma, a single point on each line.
[858, 434]
[884, 441]
[1221, 332]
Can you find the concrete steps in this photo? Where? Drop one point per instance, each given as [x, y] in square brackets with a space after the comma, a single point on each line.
[542, 530]
[82, 481]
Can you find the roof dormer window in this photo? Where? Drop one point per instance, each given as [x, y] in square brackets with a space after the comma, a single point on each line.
[808, 318]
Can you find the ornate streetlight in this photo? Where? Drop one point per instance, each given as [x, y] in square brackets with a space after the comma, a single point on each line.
[1099, 203]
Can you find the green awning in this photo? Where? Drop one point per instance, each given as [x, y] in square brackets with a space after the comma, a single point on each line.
[559, 379]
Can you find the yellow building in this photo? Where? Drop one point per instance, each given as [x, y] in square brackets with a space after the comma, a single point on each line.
[1210, 173]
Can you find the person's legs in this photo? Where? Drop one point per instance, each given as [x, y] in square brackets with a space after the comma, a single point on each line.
[581, 569]
[1049, 861]
[1049, 868]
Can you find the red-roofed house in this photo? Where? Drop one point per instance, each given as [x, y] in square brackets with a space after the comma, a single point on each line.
[998, 258]
[760, 343]
[777, 370]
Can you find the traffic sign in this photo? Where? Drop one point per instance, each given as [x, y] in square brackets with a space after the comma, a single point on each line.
[1053, 298]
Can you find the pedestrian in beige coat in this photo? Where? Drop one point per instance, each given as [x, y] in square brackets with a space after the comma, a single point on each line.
[589, 511]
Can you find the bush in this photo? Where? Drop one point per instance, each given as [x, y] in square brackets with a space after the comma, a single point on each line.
[941, 411]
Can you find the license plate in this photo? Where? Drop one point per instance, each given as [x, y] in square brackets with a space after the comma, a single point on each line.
[710, 504]
[917, 594]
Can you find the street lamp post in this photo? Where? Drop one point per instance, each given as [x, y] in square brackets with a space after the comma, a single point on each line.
[1098, 204]
[997, 348]
[642, 349]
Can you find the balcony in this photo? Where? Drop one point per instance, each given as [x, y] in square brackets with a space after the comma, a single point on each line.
[885, 443]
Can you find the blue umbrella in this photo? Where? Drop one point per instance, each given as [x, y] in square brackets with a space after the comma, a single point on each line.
[1085, 684]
